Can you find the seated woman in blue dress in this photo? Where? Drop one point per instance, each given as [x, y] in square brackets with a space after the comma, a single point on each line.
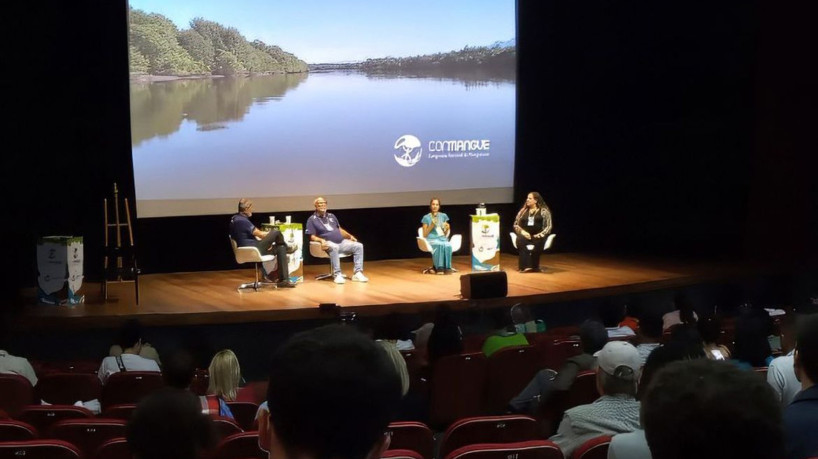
[436, 230]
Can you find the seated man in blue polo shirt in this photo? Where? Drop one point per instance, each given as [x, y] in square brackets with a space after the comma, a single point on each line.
[323, 227]
[270, 242]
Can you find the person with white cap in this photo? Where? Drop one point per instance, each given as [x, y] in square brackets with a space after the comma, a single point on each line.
[616, 411]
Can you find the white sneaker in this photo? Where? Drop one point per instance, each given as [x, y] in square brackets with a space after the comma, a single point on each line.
[359, 277]
[339, 279]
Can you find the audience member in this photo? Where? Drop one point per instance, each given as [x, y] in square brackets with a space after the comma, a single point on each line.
[752, 348]
[179, 369]
[616, 411]
[394, 328]
[225, 377]
[649, 334]
[445, 337]
[801, 416]
[505, 333]
[704, 408]
[130, 339]
[592, 337]
[781, 371]
[13, 364]
[710, 330]
[331, 394]
[633, 445]
[682, 314]
[612, 316]
[687, 336]
[522, 319]
[168, 424]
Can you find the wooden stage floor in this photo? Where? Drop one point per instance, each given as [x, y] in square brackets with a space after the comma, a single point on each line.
[394, 286]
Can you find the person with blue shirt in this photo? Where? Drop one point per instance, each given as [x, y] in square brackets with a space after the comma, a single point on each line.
[272, 242]
[436, 230]
[323, 227]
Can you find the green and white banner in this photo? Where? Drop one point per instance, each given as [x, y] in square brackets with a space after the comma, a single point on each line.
[293, 235]
[485, 242]
[59, 270]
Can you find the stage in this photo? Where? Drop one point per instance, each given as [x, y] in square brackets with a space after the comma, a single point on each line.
[181, 299]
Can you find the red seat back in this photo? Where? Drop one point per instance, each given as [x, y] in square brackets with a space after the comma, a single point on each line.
[535, 449]
[44, 416]
[554, 351]
[122, 411]
[88, 434]
[401, 454]
[115, 448]
[244, 413]
[240, 445]
[509, 370]
[595, 448]
[68, 388]
[11, 430]
[39, 449]
[583, 390]
[15, 393]
[489, 429]
[457, 388]
[225, 427]
[129, 387]
[414, 436]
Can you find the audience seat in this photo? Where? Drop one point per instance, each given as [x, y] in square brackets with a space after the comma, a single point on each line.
[12, 430]
[401, 454]
[415, 436]
[68, 388]
[508, 371]
[15, 393]
[239, 446]
[129, 387]
[122, 411]
[762, 371]
[488, 429]
[595, 448]
[88, 434]
[39, 449]
[201, 379]
[418, 367]
[44, 416]
[253, 391]
[115, 448]
[457, 388]
[474, 342]
[583, 391]
[225, 427]
[244, 413]
[554, 351]
[43, 368]
[535, 449]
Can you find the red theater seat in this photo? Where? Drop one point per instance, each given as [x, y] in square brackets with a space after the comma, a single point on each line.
[489, 429]
[244, 413]
[129, 387]
[68, 388]
[595, 448]
[88, 434]
[508, 371]
[415, 436]
[44, 416]
[39, 449]
[240, 445]
[115, 448]
[535, 449]
[15, 393]
[11, 430]
[457, 388]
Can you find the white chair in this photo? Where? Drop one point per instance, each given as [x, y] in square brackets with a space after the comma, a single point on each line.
[548, 241]
[317, 252]
[424, 245]
[251, 255]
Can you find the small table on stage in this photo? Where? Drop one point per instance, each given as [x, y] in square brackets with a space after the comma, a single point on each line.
[485, 242]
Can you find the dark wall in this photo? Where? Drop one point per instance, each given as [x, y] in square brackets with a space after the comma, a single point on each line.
[640, 122]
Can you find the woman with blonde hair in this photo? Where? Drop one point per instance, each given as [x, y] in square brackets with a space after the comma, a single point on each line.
[225, 376]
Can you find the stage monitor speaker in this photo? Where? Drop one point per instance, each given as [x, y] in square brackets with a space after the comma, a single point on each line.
[490, 284]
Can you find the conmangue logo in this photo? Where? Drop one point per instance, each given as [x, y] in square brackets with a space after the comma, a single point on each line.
[411, 150]
[439, 149]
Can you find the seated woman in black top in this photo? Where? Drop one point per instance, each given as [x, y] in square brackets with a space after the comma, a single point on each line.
[532, 225]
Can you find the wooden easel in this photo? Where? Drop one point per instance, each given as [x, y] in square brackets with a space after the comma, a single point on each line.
[120, 260]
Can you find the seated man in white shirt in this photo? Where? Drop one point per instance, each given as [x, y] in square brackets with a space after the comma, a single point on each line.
[616, 411]
[130, 338]
[10, 363]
